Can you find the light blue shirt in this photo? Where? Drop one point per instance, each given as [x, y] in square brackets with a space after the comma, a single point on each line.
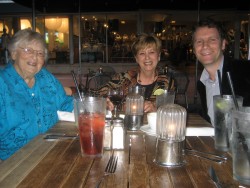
[26, 112]
[212, 88]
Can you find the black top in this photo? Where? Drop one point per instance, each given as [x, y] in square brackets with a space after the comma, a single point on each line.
[148, 90]
[240, 75]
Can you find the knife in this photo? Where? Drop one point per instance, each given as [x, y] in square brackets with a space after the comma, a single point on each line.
[51, 137]
[206, 155]
[214, 177]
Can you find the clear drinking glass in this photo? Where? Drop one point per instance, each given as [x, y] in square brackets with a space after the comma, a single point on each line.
[223, 107]
[116, 96]
[241, 145]
[167, 97]
[90, 114]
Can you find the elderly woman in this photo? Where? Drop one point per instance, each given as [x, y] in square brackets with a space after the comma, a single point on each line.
[30, 96]
[146, 50]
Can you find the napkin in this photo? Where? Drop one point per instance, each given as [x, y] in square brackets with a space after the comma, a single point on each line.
[108, 114]
[122, 116]
[199, 131]
[66, 116]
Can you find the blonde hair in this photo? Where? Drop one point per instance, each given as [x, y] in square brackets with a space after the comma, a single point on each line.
[145, 40]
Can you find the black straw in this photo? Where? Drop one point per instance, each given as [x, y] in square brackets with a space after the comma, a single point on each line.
[76, 84]
[232, 90]
[170, 82]
[220, 82]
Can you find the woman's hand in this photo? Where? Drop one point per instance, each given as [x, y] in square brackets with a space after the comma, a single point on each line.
[110, 105]
[149, 106]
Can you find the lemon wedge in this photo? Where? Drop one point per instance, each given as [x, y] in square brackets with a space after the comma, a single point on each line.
[158, 92]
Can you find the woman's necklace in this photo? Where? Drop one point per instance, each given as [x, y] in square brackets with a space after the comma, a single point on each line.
[151, 81]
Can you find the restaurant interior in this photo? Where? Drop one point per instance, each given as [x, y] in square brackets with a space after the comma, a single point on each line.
[179, 149]
[79, 31]
[85, 36]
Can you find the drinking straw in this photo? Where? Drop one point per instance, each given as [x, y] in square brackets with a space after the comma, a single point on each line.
[232, 90]
[241, 137]
[87, 82]
[170, 82]
[76, 84]
[220, 82]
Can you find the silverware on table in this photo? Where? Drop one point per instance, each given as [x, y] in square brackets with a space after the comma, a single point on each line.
[52, 137]
[214, 177]
[206, 155]
[110, 168]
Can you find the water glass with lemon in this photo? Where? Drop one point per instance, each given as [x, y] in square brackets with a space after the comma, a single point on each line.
[223, 107]
[163, 96]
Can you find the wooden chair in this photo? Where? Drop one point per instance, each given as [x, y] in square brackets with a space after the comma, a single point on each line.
[98, 81]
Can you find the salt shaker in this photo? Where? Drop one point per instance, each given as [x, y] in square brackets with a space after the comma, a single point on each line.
[118, 134]
[107, 134]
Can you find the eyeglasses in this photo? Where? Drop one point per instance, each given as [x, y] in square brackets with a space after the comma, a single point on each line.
[30, 51]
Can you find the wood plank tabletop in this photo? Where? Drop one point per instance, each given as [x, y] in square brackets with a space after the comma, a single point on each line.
[58, 163]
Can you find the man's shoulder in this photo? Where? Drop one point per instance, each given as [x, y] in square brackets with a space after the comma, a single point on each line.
[237, 62]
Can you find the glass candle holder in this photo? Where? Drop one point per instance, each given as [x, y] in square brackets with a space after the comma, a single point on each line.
[134, 108]
[170, 130]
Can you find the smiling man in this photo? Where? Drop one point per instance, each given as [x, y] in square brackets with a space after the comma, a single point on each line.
[209, 43]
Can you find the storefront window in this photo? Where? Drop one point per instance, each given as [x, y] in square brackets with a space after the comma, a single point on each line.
[57, 38]
[107, 37]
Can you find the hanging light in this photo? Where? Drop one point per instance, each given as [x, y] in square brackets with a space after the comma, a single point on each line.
[64, 28]
[61, 37]
[38, 30]
[53, 23]
[25, 23]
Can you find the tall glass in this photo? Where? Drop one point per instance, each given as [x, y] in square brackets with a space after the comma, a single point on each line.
[90, 115]
[167, 97]
[241, 145]
[223, 106]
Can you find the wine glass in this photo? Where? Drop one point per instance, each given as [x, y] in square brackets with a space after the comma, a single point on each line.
[116, 96]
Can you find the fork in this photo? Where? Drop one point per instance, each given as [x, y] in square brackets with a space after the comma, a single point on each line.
[110, 168]
[214, 177]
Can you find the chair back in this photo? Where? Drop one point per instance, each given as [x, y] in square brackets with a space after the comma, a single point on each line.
[98, 81]
[181, 82]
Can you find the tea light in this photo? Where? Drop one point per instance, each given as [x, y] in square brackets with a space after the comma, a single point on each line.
[134, 109]
[171, 131]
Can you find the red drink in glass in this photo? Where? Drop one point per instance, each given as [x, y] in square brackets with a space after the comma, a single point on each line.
[91, 129]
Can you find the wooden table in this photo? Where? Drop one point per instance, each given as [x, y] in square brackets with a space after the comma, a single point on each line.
[59, 163]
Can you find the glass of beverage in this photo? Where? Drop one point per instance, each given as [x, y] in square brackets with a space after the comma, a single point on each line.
[167, 97]
[116, 96]
[90, 115]
[223, 106]
[241, 145]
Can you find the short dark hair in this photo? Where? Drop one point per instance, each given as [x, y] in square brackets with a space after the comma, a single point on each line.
[210, 23]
